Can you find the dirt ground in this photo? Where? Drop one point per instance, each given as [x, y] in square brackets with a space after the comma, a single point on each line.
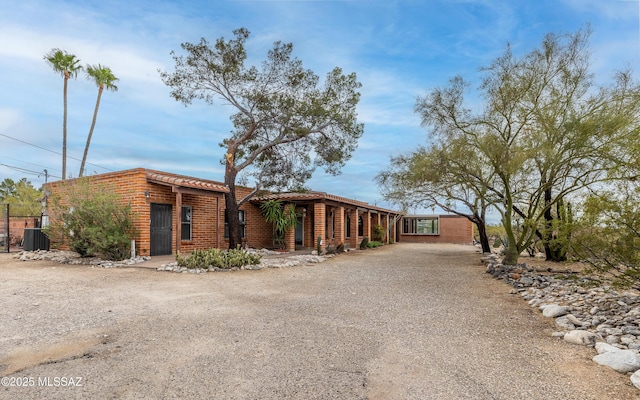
[408, 321]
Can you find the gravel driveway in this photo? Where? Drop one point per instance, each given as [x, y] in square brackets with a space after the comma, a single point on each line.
[408, 321]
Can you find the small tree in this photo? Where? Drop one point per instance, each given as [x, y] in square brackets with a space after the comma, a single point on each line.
[21, 194]
[92, 219]
[282, 217]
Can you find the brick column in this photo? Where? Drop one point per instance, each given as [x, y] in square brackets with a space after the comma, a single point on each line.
[319, 217]
[338, 227]
[353, 240]
[385, 225]
[290, 239]
[366, 225]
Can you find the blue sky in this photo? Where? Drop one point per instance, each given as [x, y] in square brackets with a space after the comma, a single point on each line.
[398, 49]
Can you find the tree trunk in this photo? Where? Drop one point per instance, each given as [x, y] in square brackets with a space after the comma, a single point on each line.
[511, 250]
[482, 232]
[93, 124]
[64, 128]
[231, 211]
[547, 234]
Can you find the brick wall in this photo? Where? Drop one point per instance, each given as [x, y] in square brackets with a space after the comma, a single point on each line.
[453, 229]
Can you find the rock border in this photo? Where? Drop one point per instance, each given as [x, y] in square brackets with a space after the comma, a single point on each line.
[598, 317]
[270, 259]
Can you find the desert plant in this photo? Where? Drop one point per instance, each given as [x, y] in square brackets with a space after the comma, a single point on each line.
[92, 219]
[216, 258]
[282, 217]
[378, 233]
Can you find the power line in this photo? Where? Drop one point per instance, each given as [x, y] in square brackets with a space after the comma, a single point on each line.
[52, 151]
[28, 171]
[2, 156]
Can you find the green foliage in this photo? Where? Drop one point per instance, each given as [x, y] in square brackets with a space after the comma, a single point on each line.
[364, 243]
[287, 122]
[216, 258]
[558, 231]
[543, 133]
[373, 244]
[92, 219]
[607, 236]
[340, 248]
[25, 200]
[378, 233]
[282, 217]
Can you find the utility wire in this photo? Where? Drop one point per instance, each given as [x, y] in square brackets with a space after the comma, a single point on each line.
[54, 152]
[2, 157]
[27, 171]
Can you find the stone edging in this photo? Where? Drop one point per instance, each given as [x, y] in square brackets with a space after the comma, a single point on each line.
[270, 259]
[599, 317]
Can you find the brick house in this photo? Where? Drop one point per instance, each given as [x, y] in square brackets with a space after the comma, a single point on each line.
[176, 213]
[436, 229]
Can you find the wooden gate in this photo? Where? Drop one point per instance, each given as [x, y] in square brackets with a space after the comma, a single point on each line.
[161, 221]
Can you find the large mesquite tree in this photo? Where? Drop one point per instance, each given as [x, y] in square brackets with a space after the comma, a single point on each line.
[285, 123]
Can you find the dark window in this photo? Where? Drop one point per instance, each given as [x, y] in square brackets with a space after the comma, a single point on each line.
[348, 227]
[186, 229]
[360, 226]
[420, 225]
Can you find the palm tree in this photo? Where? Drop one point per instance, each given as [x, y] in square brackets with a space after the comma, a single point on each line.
[67, 65]
[103, 78]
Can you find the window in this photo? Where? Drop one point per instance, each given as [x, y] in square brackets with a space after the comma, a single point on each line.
[186, 223]
[420, 225]
[348, 223]
[242, 225]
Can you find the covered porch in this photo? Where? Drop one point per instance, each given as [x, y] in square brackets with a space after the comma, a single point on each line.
[327, 221]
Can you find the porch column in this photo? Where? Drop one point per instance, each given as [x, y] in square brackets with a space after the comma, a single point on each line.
[353, 221]
[179, 220]
[290, 239]
[319, 221]
[385, 225]
[366, 225]
[339, 225]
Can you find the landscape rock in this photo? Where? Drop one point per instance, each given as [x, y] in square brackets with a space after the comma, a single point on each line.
[580, 337]
[622, 360]
[602, 348]
[554, 310]
[635, 379]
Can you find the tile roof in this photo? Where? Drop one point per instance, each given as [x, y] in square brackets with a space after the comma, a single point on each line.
[168, 179]
[322, 196]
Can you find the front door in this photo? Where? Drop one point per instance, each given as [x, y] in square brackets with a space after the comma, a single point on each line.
[161, 220]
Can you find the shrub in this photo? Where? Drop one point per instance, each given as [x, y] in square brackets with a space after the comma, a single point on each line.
[378, 233]
[92, 219]
[340, 248]
[364, 243]
[216, 258]
[373, 244]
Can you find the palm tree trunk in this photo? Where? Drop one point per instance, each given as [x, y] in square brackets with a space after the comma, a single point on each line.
[64, 129]
[93, 124]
